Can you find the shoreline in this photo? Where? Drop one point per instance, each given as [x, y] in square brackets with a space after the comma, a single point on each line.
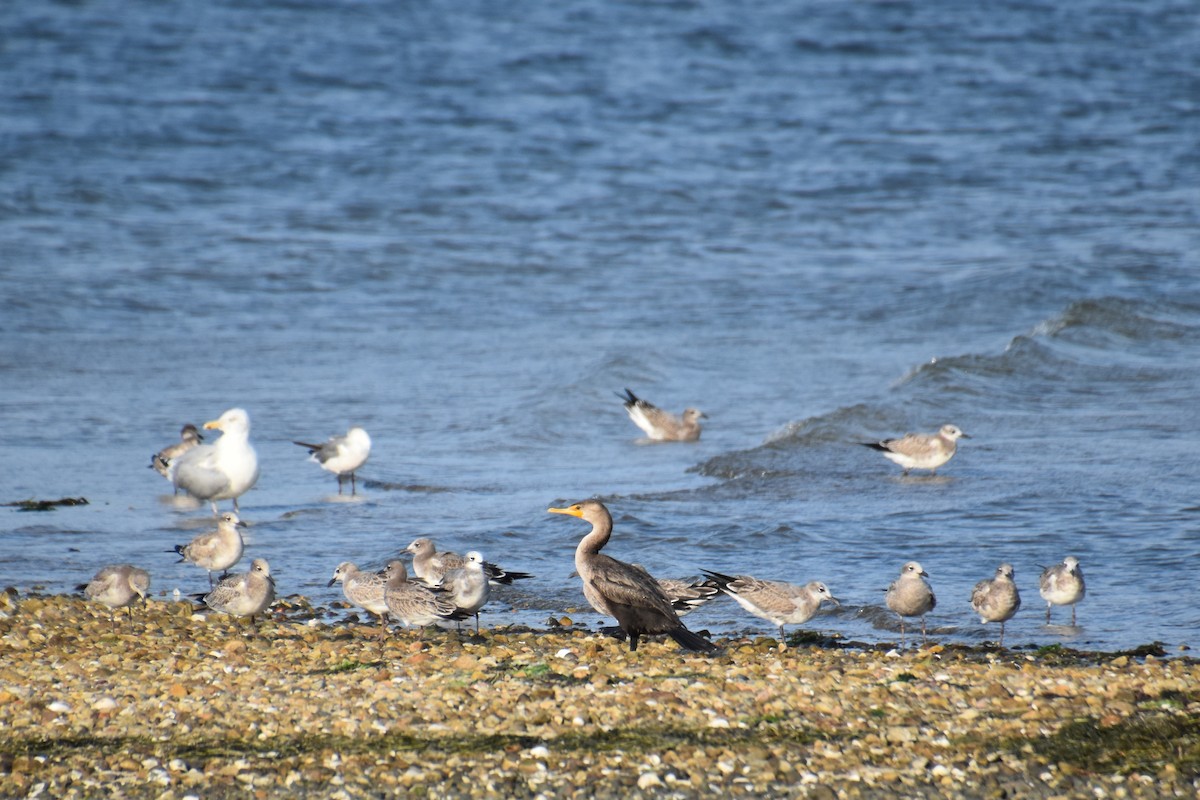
[192, 705]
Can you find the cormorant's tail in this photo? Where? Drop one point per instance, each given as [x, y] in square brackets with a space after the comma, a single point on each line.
[692, 641]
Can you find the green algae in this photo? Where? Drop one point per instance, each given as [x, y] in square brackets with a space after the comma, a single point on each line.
[1145, 742]
[631, 740]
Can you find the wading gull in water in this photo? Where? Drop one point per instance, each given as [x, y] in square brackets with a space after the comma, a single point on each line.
[221, 471]
[1062, 585]
[775, 601]
[624, 591]
[997, 599]
[921, 450]
[342, 455]
[910, 596]
[215, 550]
[663, 426]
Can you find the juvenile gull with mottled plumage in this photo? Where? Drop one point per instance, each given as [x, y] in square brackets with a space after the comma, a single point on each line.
[363, 589]
[415, 604]
[663, 426]
[1062, 585]
[215, 550]
[997, 599]
[161, 461]
[468, 585]
[775, 601]
[686, 594]
[921, 450]
[429, 565]
[117, 586]
[246, 594]
[910, 596]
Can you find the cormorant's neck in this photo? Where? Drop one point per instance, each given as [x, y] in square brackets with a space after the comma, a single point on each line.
[599, 536]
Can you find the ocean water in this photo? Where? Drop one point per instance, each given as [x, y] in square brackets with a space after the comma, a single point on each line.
[465, 226]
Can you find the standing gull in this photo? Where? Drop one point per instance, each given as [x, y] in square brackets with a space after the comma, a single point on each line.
[775, 601]
[429, 565]
[117, 586]
[468, 586]
[222, 471]
[1062, 585]
[624, 591]
[997, 599]
[921, 450]
[415, 604]
[215, 550]
[246, 594]
[363, 589]
[663, 426]
[161, 461]
[342, 455]
[686, 595]
[910, 596]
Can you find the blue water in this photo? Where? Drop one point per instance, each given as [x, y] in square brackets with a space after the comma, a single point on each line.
[465, 226]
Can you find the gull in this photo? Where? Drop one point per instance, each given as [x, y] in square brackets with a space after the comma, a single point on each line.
[363, 589]
[775, 601]
[1062, 585]
[686, 595]
[215, 550]
[468, 585]
[910, 596]
[624, 591]
[415, 604]
[921, 450]
[189, 437]
[997, 599]
[429, 565]
[342, 455]
[222, 471]
[663, 426]
[246, 594]
[117, 586]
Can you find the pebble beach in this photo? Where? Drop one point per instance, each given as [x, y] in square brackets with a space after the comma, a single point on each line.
[313, 703]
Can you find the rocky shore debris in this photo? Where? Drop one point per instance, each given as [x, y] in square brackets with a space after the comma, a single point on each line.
[186, 705]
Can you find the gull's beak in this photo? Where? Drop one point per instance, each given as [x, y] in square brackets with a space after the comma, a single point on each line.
[213, 425]
[332, 581]
[924, 574]
[834, 600]
[574, 511]
[964, 436]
